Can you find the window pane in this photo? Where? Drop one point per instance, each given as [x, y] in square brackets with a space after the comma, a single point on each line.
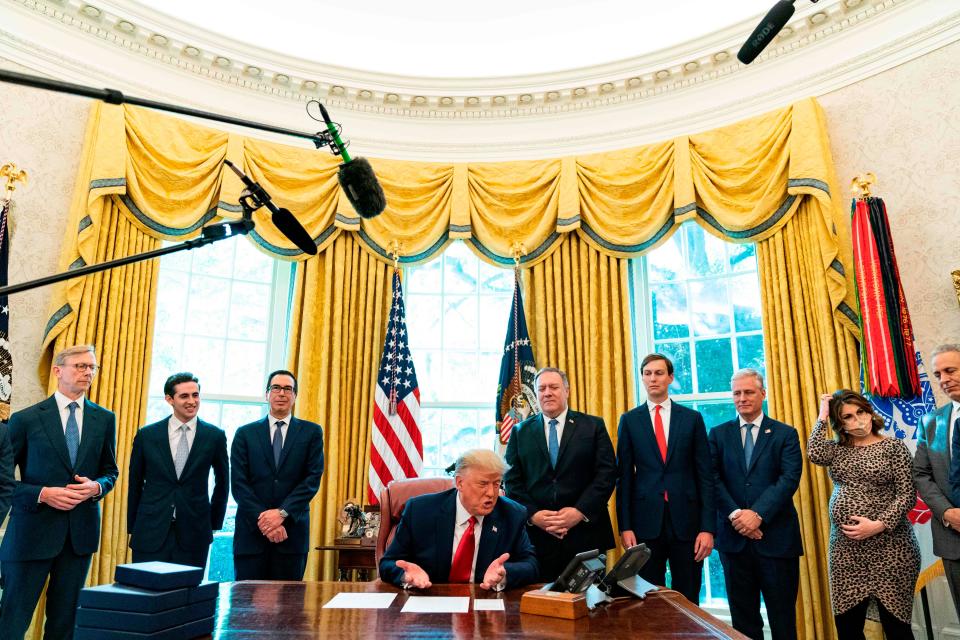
[459, 269]
[495, 279]
[750, 353]
[679, 354]
[428, 365]
[746, 303]
[209, 305]
[423, 321]
[215, 259]
[494, 317]
[710, 311]
[706, 255]
[460, 379]
[431, 421]
[424, 278]
[204, 357]
[714, 365]
[743, 257]
[715, 413]
[669, 304]
[165, 360]
[665, 263]
[172, 290]
[459, 434]
[242, 371]
[460, 330]
[252, 264]
[249, 311]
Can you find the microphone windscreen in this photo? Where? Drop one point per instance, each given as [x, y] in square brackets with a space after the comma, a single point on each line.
[291, 228]
[766, 31]
[363, 190]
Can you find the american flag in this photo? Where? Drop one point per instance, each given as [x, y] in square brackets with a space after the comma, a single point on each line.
[396, 446]
[516, 399]
[6, 359]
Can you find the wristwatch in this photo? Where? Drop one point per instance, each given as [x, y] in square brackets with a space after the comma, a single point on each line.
[283, 513]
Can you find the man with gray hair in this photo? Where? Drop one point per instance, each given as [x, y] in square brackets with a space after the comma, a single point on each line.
[465, 534]
[758, 464]
[65, 447]
[937, 443]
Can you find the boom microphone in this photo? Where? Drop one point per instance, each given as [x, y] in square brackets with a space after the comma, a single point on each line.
[281, 218]
[766, 31]
[356, 176]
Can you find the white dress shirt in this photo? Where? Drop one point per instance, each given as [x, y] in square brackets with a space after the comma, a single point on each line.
[664, 415]
[62, 402]
[561, 420]
[459, 528]
[173, 433]
[273, 427]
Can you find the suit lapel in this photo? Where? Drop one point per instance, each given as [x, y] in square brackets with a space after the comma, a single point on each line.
[489, 534]
[161, 440]
[200, 439]
[263, 436]
[293, 431]
[764, 434]
[731, 431]
[568, 428]
[675, 426]
[50, 419]
[646, 432]
[537, 434]
[942, 437]
[90, 432]
[446, 524]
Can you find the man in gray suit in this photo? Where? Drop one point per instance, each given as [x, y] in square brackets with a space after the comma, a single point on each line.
[931, 465]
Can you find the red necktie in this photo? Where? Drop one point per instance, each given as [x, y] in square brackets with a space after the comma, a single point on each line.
[661, 436]
[462, 568]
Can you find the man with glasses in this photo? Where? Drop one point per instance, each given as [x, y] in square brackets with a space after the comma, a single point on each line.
[65, 447]
[276, 465]
[465, 534]
[170, 515]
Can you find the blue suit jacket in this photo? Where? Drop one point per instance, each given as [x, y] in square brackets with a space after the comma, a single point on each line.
[425, 537]
[259, 484]
[7, 480]
[767, 487]
[38, 531]
[154, 491]
[687, 475]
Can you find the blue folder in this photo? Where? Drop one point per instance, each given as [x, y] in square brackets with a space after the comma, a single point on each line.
[195, 629]
[136, 622]
[158, 576]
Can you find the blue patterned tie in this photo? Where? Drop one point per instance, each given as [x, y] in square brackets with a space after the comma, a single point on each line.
[553, 445]
[72, 433]
[278, 442]
[748, 444]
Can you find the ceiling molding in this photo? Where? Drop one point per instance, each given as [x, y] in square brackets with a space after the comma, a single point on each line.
[691, 87]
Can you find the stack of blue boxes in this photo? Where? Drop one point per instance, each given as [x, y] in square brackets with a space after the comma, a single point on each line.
[155, 600]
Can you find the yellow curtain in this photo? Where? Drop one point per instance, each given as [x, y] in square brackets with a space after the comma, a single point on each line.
[578, 308]
[340, 308]
[808, 352]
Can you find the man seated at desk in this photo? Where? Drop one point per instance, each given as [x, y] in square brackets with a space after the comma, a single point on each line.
[466, 534]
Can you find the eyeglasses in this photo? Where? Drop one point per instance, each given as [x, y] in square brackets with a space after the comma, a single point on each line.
[83, 367]
[275, 388]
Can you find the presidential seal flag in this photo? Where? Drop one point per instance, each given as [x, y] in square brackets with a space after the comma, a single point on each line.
[6, 359]
[396, 445]
[516, 398]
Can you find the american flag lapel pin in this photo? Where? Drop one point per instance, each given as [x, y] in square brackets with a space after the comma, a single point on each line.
[767, 431]
[493, 528]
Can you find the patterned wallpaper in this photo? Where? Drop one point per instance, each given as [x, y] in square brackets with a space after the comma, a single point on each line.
[903, 124]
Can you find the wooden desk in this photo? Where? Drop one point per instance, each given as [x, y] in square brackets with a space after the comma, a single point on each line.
[293, 610]
[354, 557]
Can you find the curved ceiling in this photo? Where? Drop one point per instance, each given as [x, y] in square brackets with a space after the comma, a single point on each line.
[439, 38]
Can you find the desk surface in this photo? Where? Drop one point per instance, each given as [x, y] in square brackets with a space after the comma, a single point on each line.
[293, 610]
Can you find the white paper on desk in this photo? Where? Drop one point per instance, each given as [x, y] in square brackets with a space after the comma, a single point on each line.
[436, 604]
[361, 601]
[488, 604]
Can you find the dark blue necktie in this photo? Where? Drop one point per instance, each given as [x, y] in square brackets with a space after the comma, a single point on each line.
[72, 433]
[748, 444]
[955, 464]
[278, 442]
[553, 445]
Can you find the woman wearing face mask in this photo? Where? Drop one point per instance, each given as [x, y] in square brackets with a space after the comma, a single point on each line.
[874, 558]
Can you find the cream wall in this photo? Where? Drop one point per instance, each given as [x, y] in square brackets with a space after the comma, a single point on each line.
[41, 132]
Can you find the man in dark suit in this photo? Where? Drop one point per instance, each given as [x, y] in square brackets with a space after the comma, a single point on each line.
[936, 445]
[665, 493]
[562, 469]
[465, 534]
[170, 515]
[758, 466]
[276, 465]
[65, 447]
[7, 479]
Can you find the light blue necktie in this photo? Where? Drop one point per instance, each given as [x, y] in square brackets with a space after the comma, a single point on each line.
[72, 433]
[183, 451]
[278, 442]
[748, 444]
[553, 445]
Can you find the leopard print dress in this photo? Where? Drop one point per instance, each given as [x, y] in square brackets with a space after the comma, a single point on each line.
[874, 482]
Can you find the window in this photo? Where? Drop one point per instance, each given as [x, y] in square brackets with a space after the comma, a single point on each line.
[697, 301]
[457, 311]
[222, 314]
